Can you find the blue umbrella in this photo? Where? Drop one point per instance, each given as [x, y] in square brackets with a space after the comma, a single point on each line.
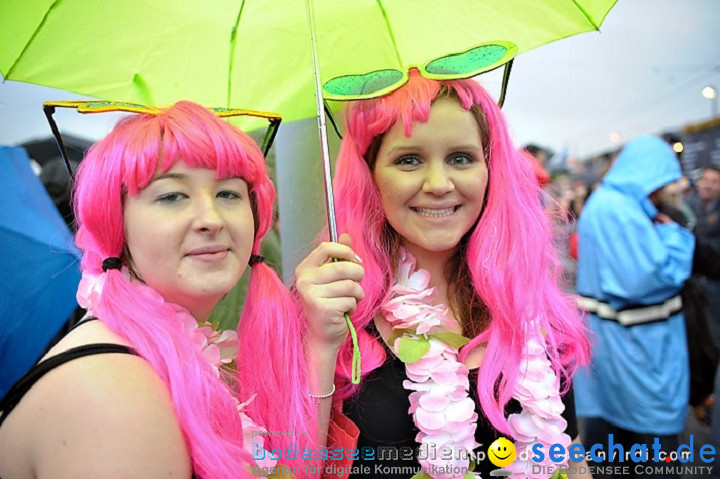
[39, 267]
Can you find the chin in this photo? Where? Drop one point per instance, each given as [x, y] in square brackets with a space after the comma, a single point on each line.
[443, 249]
[211, 289]
[435, 246]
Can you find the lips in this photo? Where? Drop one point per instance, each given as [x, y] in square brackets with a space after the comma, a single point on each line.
[209, 252]
[435, 212]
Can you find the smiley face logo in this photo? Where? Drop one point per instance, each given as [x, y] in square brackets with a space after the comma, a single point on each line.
[501, 452]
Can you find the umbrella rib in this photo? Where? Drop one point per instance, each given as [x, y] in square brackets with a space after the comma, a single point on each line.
[587, 15]
[390, 31]
[233, 45]
[27, 44]
[42, 242]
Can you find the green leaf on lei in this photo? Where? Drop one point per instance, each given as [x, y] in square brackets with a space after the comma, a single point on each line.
[410, 350]
[455, 340]
[395, 334]
[422, 475]
[471, 468]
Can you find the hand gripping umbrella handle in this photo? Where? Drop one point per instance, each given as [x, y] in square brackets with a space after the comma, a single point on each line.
[327, 176]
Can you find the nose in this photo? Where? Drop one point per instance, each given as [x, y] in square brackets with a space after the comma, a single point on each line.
[438, 179]
[208, 218]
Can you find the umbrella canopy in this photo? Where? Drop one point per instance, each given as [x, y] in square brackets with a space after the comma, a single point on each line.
[39, 267]
[255, 53]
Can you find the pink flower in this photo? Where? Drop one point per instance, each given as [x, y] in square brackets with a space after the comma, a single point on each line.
[219, 347]
[89, 290]
[541, 420]
[253, 437]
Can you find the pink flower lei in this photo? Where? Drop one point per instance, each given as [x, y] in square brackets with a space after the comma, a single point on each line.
[439, 402]
[218, 347]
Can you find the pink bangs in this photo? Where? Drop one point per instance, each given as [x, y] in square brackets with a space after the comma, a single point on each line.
[142, 146]
[369, 119]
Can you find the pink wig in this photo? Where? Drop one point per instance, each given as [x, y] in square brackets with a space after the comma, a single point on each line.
[270, 360]
[509, 253]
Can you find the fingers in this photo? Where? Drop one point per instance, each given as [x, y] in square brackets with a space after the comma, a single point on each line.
[320, 265]
[332, 310]
[324, 297]
[329, 273]
[662, 218]
[341, 289]
[345, 239]
[328, 288]
[328, 251]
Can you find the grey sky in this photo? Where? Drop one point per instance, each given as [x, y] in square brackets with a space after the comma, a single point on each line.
[642, 73]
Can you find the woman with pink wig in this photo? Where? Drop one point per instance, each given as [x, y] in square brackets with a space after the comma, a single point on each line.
[171, 208]
[464, 333]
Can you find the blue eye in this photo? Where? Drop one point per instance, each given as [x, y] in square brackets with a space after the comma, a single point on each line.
[461, 159]
[173, 197]
[408, 160]
[229, 195]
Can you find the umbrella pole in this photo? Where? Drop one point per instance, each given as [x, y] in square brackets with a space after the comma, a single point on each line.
[322, 127]
[327, 176]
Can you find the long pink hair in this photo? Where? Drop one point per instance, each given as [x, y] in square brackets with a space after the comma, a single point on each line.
[270, 361]
[509, 254]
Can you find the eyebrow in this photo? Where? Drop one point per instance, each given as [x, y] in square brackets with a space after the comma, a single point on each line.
[181, 176]
[418, 147]
[168, 176]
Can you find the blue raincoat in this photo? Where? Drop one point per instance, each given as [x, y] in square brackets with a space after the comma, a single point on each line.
[638, 379]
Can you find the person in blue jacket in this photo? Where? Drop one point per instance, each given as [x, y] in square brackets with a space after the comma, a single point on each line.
[633, 261]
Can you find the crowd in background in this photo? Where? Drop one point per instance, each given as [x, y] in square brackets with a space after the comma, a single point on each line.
[693, 203]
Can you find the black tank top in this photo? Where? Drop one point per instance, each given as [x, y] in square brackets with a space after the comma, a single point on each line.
[380, 411]
[20, 388]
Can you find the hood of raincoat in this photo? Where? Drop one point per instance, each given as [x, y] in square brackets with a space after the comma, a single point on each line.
[644, 165]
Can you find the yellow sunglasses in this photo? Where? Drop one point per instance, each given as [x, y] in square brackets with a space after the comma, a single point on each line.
[103, 106]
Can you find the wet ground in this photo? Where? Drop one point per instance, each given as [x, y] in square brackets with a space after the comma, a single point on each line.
[701, 436]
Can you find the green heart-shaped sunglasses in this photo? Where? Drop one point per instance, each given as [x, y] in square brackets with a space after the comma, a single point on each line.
[455, 66]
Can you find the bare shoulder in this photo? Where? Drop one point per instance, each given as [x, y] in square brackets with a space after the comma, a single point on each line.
[91, 332]
[107, 415]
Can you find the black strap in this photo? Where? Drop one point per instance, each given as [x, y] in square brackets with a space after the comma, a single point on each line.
[84, 320]
[20, 388]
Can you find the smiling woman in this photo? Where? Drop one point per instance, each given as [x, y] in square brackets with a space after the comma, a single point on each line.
[432, 185]
[464, 333]
[171, 208]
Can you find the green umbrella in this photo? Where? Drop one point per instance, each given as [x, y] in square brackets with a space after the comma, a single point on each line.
[256, 53]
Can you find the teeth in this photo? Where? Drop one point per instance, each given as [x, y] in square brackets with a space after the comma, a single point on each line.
[435, 213]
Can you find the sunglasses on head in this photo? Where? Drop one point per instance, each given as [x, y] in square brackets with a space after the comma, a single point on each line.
[455, 66]
[102, 106]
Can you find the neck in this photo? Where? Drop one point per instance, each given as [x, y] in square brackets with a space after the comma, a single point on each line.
[201, 309]
[435, 263]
